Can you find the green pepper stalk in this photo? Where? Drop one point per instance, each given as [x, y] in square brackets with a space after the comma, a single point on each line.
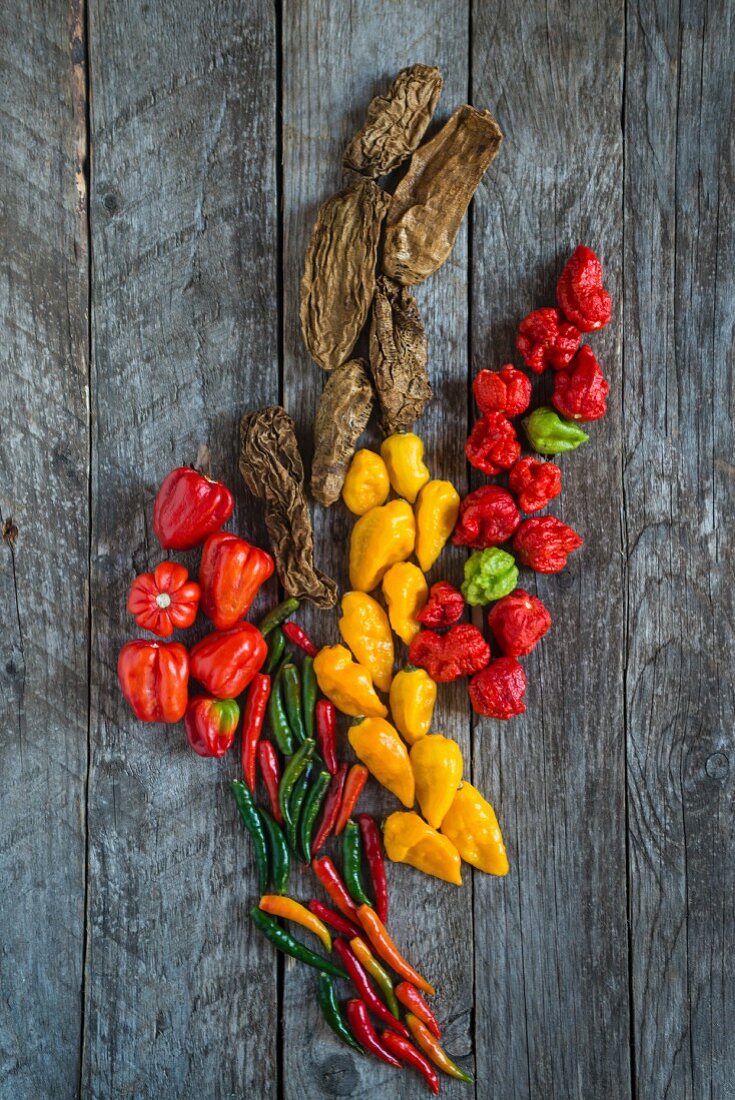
[294, 808]
[275, 650]
[351, 863]
[308, 694]
[291, 775]
[285, 942]
[333, 1013]
[312, 805]
[291, 680]
[549, 434]
[278, 718]
[253, 822]
[278, 615]
[280, 859]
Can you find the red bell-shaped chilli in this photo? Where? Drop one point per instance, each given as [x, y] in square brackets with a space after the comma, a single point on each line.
[188, 507]
[231, 573]
[225, 661]
[164, 599]
[211, 725]
[154, 677]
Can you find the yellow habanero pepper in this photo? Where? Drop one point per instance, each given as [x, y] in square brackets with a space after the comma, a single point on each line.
[367, 483]
[471, 825]
[404, 457]
[408, 839]
[405, 591]
[412, 698]
[437, 768]
[366, 630]
[346, 683]
[436, 511]
[379, 539]
[376, 743]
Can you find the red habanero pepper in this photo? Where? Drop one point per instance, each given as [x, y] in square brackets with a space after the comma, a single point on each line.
[163, 599]
[365, 1033]
[336, 920]
[188, 507]
[387, 950]
[154, 677]
[231, 573]
[497, 691]
[331, 880]
[534, 483]
[326, 733]
[411, 999]
[270, 770]
[332, 803]
[446, 657]
[211, 725]
[373, 848]
[226, 661]
[545, 339]
[580, 293]
[492, 445]
[580, 392]
[298, 637]
[543, 543]
[443, 607]
[361, 982]
[487, 517]
[252, 724]
[357, 777]
[407, 1052]
[506, 390]
[518, 622]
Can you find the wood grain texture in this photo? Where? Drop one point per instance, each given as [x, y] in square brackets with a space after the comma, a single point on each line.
[334, 61]
[181, 991]
[680, 498]
[44, 469]
[552, 1003]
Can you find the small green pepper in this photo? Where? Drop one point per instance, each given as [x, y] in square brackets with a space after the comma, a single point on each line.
[291, 680]
[351, 863]
[253, 822]
[278, 718]
[280, 859]
[294, 808]
[312, 805]
[292, 774]
[333, 1013]
[308, 694]
[488, 575]
[278, 615]
[549, 434]
[286, 943]
[275, 650]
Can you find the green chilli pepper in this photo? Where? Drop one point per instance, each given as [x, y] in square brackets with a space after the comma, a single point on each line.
[275, 650]
[253, 822]
[291, 680]
[294, 808]
[291, 775]
[280, 859]
[312, 805]
[351, 863]
[286, 943]
[308, 694]
[549, 434]
[333, 1013]
[277, 616]
[488, 575]
[278, 718]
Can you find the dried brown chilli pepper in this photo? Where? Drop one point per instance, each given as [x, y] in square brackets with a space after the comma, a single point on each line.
[271, 466]
[398, 356]
[395, 123]
[341, 418]
[430, 201]
[339, 271]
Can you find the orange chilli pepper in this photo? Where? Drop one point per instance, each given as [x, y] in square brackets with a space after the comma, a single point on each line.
[383, 944]
[430, 1046]
[356, 780]
[279, 906]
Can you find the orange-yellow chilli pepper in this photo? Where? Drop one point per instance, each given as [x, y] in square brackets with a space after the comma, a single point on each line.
[376, 743]
[410, 840]
[379, 539]
[279, 906]
[472, 826]
[365, 628]
[346, 683]
[437, 768]
[436, 512]
[367, 483]
[405, 591]
[404, 457]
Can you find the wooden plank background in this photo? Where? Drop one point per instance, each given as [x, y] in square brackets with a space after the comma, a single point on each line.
[161, 166]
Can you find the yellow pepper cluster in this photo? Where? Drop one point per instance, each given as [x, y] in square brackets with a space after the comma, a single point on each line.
[412, 763]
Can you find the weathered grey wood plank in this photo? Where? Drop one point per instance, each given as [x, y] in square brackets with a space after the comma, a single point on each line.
[680, 498]
[181, 992]
[334, 60]
[552, 1003]
[44, 516]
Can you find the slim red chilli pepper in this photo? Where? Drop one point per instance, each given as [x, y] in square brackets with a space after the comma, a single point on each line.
[361, 982]
[326, 733]
[270, 769]
[252, 724]
[365, 1033]
[332, 803]
[336, 920]
[411, 999]
[298, 637]
[407, 1052]
[373, 848]
[331, 880]
[356, 780]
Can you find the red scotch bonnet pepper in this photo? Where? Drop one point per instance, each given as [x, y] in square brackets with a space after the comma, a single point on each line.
[231, 573]
[443, 608]
[545, 339]
[446, 657]
[154, 677]
[506, 390]
[580, 293]
[189, 507]
[543, 543]
[534, 483]
[492, 445]
[580, 393]
[211, 725]
[226, 661]
[498, 690]
[164, 599]
[518, 622]
[487, 517]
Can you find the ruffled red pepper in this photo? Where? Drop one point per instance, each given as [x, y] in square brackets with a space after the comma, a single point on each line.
[534, 483]
[506, 390]
[492, 445]
[154, 677]
[446, 657]
[443, 607]
[188, 507]
[487, 517]
[164, 599]
[580, 393]
[226, 661]
[252, 724]
[543, 543]
[518, 622]
[211, 724]
[498, 690]
[231, 573]
[545, 339]
[581, 296]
